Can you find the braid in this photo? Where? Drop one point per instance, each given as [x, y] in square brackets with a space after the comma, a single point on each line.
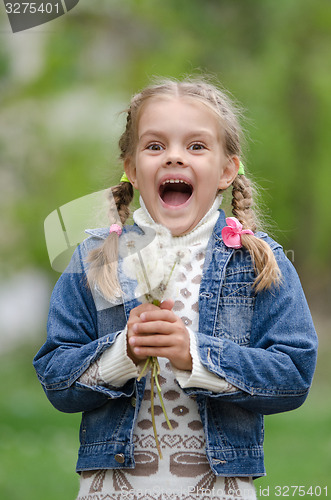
[268, 272]
[242, 201]
[126, 139]
[122, 195]
[103, 260]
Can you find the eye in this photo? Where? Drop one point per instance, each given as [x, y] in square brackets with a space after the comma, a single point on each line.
[197, 146]
[155, 146]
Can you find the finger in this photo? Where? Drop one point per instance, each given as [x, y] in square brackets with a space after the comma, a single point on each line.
[135, 314]
[137, 311]
[158, 315]
[156, 339]
[167, 304]
[178, 360]
[154, 328]
[158, 352]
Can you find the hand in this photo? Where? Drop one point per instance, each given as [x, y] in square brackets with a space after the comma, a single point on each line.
[158, 331]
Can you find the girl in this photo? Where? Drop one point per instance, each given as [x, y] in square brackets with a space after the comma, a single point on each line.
[233, 333]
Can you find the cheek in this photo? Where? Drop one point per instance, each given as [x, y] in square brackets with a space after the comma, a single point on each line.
[208, 187]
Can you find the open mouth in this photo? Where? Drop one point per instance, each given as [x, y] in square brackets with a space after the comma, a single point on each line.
[175, 192]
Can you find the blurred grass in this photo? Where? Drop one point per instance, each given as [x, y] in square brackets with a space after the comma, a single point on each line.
[38, 445]
[298, 443]
[298, 446]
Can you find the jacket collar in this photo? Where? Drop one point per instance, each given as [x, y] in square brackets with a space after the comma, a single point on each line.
[103, 232]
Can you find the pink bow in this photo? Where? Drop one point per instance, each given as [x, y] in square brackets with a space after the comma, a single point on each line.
[115, 228]
[231, 233]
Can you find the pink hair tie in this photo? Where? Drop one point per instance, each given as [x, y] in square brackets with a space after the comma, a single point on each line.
[231, 233]
[115, 228]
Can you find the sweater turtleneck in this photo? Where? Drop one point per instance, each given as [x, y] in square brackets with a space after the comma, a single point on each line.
[200, 234]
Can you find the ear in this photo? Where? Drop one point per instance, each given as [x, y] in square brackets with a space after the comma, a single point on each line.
[230, 172]
[131, 172]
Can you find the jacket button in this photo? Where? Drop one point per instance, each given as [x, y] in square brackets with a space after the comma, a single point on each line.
[120, 458]
[133, 402]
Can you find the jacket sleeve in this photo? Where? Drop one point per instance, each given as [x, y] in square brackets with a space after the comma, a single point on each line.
[114, 367]
[73, 343]
[199, 376]
[274, 373]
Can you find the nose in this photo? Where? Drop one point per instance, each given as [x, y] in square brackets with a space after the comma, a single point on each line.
[174, 162]
[174, 158]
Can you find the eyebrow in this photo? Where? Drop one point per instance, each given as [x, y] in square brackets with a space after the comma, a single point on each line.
[191, 134]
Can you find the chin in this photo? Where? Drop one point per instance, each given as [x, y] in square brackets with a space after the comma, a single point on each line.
[177, 230]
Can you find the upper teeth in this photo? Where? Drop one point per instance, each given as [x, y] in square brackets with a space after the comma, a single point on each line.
[175, 181]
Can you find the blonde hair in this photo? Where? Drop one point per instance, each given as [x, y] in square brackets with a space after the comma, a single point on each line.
[103, 261]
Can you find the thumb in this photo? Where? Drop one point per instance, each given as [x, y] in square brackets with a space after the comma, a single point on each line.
[167, 304]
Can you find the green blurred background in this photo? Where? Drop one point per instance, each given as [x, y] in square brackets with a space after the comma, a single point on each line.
[62, 86]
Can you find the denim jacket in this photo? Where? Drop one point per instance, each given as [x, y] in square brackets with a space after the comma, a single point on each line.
[262, 343]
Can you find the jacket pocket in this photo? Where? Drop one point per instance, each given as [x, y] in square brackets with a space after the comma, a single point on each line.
[235, 319]
[236, 305]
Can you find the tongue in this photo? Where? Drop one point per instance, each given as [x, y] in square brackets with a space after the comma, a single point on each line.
[175, 198]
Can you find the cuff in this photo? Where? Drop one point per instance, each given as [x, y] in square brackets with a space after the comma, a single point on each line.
[200, 376]
[116, 368]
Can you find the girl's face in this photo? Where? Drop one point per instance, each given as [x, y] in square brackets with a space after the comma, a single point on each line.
[179, 163]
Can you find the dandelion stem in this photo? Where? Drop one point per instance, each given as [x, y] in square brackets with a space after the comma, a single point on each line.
[172, 270]
[153, 417]
[145, 368]
[156, 371]
[145, 273]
